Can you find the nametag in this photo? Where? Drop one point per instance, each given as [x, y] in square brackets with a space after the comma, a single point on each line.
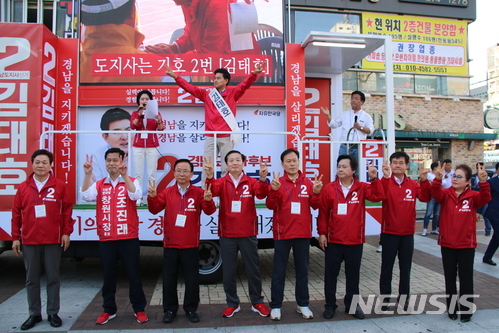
[180, 222]
[143, 135]
[236, 207]
[40, 211]
[295, 208]
[342, 209]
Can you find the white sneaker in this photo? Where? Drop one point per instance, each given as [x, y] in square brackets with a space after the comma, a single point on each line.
[435, 232]
[379, 249]
[305, 312]
[275, 314]
[425, 231]
[139, 202]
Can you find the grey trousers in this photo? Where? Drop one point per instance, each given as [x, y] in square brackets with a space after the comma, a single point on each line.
[249, 251]
[35, 258]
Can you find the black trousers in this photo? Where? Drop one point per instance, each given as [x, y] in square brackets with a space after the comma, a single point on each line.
[393, 246]
[458, 262]
[188, 261]
[128, 251]
[335, 254]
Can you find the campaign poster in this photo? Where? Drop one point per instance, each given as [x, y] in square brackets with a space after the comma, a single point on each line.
[134, 40]
[183, 137]
[419, 44]
[27, 61]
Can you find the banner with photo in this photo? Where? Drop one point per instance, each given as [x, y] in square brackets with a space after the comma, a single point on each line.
[420, 45]
[126, 41]
[176, 142]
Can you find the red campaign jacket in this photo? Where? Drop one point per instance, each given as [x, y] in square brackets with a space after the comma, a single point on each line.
[284, 224]
[457, 221]
[190, 204]
[207, 29]
[152, 138]
[58, 208]
[243, 224]
[213, 119]
[399, 205]
[117, 217]
[346, 229]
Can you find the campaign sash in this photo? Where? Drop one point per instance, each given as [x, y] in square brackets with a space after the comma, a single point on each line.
[226, 114]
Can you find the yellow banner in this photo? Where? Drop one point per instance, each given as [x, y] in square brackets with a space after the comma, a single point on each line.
[420, 44]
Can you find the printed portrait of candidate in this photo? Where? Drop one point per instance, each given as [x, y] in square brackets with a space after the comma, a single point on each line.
[115, 119]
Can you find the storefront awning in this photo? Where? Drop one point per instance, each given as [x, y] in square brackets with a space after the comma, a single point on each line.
[335, 53]
[419, 135]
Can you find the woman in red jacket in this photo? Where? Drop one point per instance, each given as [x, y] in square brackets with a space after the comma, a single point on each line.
[145, 145]
[457, 236]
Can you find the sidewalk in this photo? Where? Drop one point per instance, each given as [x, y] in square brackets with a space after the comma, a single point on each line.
[82, 301]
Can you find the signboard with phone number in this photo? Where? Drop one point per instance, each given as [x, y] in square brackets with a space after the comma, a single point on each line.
[454, 3]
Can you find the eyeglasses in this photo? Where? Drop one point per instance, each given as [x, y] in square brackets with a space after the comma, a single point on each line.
[183, 172]
[457, 176]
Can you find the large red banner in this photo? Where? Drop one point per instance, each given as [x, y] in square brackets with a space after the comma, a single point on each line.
[25, 60]
[65, 117]
[318, 155]
[295, 93]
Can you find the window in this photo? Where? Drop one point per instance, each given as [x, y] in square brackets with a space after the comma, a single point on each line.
[306, 21]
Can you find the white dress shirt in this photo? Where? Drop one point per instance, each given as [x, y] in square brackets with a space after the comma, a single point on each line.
[346, 120]
[91, 193]
[236, 181]
[40, 185]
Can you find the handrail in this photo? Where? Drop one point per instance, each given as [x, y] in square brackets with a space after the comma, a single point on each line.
[129, 132]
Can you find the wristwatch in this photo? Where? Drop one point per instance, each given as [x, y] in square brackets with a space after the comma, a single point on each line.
[361, 128]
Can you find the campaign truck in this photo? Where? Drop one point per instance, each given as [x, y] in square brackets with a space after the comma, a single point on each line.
[54, 93]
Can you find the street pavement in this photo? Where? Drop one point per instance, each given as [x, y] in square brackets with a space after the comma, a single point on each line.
[81, 302]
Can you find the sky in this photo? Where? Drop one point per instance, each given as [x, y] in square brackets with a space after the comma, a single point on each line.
[482, 33]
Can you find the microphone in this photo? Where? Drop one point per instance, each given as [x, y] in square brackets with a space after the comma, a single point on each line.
[355, 119]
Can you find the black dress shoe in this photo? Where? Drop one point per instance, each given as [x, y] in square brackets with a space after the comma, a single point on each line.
[328, 313]
[168, 317]
[55, 320]
[31, 322]
[453, 316]
[359, 314]
[193, 317]
[489, 261]
[465, 319]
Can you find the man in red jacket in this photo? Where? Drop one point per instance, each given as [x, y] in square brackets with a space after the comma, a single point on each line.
[399, 224]
[118, 230]
[218, 117]
[290, 197]
[341, 227]
[237, 227]
[41, 226]
[183, 204]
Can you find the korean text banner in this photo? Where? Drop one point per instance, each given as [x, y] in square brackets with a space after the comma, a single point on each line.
[420, 45]
[134, 40]
[27, 54]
